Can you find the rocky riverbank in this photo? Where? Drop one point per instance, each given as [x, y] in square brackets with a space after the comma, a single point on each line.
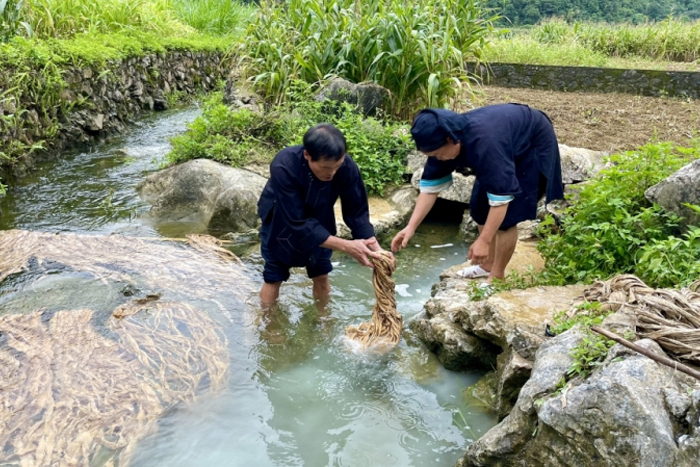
[99, 101]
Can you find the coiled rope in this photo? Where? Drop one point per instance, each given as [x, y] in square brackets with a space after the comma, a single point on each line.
[670, 317]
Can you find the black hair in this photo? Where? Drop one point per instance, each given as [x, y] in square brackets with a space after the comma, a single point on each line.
[324, 141]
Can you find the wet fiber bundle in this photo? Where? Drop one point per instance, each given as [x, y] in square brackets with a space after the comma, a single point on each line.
[81, 386]
[385, 327]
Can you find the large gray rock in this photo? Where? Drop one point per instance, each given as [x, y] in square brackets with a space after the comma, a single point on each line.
[367, 97]
[415, 161]
[681, 187]
[462, 332]
[385, 214]
[205, 193]
[579, 164]
[624, 414]
[239, 95]
[510, 319]
[502, 444]
[454, 348]
[460, 191]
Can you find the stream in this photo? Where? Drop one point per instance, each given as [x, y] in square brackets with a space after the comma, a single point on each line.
[297, 394]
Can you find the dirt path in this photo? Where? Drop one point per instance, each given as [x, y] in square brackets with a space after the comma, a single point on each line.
[607, 122]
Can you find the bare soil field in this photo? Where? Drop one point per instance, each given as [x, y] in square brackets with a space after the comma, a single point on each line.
[606, 122]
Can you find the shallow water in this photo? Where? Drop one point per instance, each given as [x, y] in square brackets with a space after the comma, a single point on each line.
[298, 394]
[94, 190]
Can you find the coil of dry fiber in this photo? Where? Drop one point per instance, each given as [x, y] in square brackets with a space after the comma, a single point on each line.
[670, 317]
[73, 395]
[386, 324]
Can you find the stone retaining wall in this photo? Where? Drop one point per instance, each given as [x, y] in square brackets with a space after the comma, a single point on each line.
[569, 78]
[103, 102]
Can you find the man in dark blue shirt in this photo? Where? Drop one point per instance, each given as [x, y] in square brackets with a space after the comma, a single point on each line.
[512, 150]
[296, 208]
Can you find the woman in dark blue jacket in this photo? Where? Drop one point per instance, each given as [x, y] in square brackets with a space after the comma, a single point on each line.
[512, 150]
[296, 208]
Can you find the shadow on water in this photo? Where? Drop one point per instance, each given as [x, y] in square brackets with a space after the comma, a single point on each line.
[295, 393]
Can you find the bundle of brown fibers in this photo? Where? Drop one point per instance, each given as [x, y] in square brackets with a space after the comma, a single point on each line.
[671, 317]
[207, 243]
[71, 396]
[385, 327]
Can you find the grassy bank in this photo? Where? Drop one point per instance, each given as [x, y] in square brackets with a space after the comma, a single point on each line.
[669, 45]
[42, 38]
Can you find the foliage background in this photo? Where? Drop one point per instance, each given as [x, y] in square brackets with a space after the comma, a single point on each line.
[417, 50]
[528, 12]
[241, 137]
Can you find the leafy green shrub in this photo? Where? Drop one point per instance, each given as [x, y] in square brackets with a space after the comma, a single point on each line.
[588, 354]
[610, 227]
[671, 262]
[241, 137]
[417, 50]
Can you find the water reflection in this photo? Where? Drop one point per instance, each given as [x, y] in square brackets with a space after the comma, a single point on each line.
[312, 400]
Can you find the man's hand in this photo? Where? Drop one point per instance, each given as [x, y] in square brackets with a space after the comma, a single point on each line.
[359, 250]
[479, 251]
[401, 239]
[374, 245]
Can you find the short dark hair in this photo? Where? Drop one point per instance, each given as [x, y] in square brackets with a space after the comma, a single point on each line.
[324, 141]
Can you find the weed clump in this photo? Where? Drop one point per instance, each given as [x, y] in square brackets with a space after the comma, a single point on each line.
[611, 228]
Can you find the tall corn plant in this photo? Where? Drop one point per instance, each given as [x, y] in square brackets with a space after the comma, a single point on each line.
[416, 50]
[12, 20]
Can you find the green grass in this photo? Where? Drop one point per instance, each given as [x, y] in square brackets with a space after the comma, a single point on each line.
[668, 45]
[69, 18]
[219, 17]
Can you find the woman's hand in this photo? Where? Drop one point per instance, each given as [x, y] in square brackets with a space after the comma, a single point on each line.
[401, 239]
[479, 251]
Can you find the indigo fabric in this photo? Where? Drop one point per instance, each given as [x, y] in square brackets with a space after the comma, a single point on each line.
[512, 150]
[297, 213]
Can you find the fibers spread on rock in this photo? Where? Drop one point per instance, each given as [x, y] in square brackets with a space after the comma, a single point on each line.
[82, 386]
[670, 317]
[385, 327]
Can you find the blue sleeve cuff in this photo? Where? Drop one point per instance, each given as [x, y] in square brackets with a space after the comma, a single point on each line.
[435, 186]
[499, 200]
